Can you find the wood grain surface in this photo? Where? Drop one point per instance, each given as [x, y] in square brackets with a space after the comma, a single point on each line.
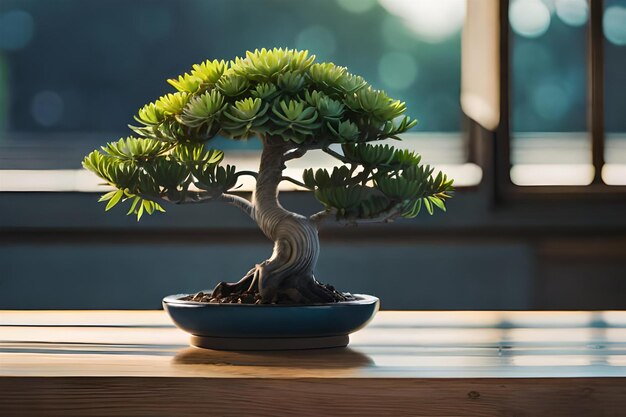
[97, 363]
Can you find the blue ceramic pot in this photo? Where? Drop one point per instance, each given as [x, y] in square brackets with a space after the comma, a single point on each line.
[270, 326]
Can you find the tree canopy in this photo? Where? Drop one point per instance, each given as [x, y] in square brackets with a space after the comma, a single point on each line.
[282, 96]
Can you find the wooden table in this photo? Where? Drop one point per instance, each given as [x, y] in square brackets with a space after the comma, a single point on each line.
[135, 363]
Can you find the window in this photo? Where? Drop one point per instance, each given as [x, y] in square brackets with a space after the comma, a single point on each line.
[549, 140]
[565, 129]
[74, 72]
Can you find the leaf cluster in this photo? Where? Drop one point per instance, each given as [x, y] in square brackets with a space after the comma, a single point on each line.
[278, 93]
[143, 170]
[381, 180]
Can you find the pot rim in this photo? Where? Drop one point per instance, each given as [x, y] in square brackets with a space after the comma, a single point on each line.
[174, 300]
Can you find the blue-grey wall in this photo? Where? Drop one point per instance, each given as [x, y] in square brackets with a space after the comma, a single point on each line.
[404, 276]
[59, 250]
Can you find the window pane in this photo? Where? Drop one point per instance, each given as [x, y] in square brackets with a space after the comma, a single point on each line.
[74, 72]
[614, 28]
[550, 144]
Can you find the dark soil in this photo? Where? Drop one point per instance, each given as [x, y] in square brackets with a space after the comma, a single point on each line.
[253, 297]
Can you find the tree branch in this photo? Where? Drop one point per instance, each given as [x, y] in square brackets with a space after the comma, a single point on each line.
[337, 155]
[195, 197]
[240, 202]
[384, 217]
[295, 181]
[250, 173]
[363, 177]
[294, 154]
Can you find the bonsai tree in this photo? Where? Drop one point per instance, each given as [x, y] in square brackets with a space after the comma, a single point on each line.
[292, 105]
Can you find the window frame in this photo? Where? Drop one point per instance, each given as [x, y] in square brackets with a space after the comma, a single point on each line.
[498, 155]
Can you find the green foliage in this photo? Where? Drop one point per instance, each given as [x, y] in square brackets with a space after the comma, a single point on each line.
[265, 91]
[144, 170]
[172, 104]
[346, 131]
[135, 149]
[232, 85]
[284, 97]
[376, 104]
[215, 178]
[295, 119]
[309, 102]
[209, 72]
[291, 82]
[119, 173]
[138, 205]
[150, 115]
[268, 66]
[193, 154]
[330, 110]
[186, 83]
[343, 198]
[369, 155]
[335, 80]
[246, 118]
[389, 180]
[203, 110]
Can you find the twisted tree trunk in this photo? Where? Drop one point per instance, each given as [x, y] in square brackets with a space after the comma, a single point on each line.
[287, 276]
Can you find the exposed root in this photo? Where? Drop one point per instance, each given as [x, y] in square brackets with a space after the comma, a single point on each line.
[315, 293]
[246, 291]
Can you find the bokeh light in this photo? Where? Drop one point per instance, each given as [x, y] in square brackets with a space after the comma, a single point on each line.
[572, 12]
[614, 23]
[356, 6]
[396, 35]
[319, 40]
[549, 67]
[433, 21]
[550, 100]
[529, 18]
[531, 58]
[17, 28]
[397, 70]
[47, 108]
[122, 68]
